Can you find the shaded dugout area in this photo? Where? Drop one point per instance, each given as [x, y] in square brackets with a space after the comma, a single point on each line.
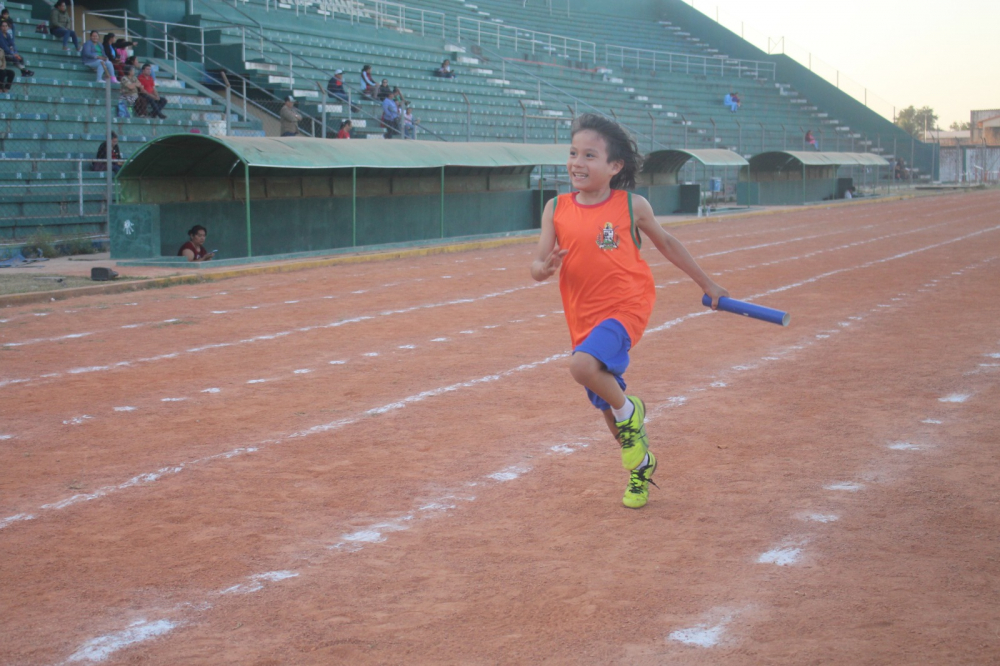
[659, 181]
[797, 177]
[272, 196]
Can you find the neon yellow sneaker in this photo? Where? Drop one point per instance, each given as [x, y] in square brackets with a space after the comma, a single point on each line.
[632, 435]
[637, 492]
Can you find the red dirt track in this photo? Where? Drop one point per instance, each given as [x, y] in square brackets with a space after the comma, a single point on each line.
[418, 480]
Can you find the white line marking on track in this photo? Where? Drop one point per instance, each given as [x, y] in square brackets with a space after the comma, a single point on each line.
[782, 556]
[102, 647]
[845, 486]
[955, 397]
[904, 446]
[126, 408]
[822, 517]
[211, 390]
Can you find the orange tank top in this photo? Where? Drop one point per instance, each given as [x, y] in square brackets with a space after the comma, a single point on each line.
[602, 275]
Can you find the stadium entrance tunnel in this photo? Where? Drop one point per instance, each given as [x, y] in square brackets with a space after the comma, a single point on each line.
[277, 196]
[797, 177]
[659, 180]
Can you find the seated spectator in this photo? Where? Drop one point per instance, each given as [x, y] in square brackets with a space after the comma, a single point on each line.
[728, 101]
[290, 118]
[811, 140]
[384, 90]
[95, 59]
[736, 100]
[5, 16]
[59, 26]
[150, 100]
[6, 75]
[444, 71]
[390, 117]
[397, 95]
[336, 86]
[409, 130]
[849, 193]
[102, 156]
[194, 249]
[345, 129]
[129, 92]
[9, 49]
[368, 87]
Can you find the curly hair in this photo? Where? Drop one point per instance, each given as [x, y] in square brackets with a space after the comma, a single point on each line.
[621, 147]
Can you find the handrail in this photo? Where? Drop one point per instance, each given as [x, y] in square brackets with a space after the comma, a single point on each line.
[381, 17]
[683, 62]
[513, 37]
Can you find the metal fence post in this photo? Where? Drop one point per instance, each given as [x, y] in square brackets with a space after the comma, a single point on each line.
[322, 92]
[524, 121]
[468, 118]
[229, 102]
[108, 151]
[79, 181]
[652, 131]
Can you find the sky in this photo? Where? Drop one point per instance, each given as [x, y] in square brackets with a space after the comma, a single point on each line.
[920, 52]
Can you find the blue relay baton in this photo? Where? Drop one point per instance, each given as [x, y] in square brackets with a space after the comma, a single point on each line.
[769, 315]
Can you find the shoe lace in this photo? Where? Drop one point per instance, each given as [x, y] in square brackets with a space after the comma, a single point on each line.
[627, 435]
[637, 478]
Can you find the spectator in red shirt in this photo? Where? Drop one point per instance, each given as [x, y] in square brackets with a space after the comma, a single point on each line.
[194, 249]
[150, 95]
[345, 130]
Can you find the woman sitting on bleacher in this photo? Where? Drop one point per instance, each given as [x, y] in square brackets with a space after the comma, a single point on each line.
[93, 58]
[129, 93]
[10, 49]
[384, 90]
[368, 87]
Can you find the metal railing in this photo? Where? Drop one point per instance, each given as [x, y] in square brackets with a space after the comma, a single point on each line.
[73, 192]
[382, 13]
[687, 64]
[507, 36]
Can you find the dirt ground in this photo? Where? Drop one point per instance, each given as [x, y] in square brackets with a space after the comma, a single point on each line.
[389, 463]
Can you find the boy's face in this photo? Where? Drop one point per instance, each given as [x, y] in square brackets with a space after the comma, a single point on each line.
[588, 164]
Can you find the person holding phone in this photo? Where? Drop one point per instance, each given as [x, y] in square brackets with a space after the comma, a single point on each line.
[194, 249]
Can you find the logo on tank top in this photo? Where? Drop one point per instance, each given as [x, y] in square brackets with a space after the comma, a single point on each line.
[608, 239]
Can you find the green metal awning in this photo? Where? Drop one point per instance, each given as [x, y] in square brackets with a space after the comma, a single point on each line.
[671, 161]
[201, 155]
[783, 159]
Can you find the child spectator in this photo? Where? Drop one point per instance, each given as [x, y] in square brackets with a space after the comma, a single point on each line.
[368, 87]
[95, 59]
[384, 90]
[6, 76]
[149, 95]
[444, 71]
[102, 156]
[409, 130]
[290, 118]
[9, 49]
[59, 26]
[811, 140]
[345, 130]
[129, 92]
[5, 16]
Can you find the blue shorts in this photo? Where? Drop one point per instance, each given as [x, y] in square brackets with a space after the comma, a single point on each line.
[609, 343]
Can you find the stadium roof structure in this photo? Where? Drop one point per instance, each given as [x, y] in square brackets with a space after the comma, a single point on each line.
[783, 159]
[671, 161]
[200, 155]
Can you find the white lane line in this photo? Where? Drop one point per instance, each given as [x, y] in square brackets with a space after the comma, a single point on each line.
[781, 556]
[102, 647]
[143, 479]
[955, 397]
[844, 486]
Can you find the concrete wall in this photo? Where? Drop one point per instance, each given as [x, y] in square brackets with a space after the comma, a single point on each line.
[785, 192]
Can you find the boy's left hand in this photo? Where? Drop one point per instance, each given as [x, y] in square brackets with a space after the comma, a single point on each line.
[715, 292]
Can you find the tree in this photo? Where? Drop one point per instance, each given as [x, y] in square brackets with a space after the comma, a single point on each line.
[960, 127]
[912, 120]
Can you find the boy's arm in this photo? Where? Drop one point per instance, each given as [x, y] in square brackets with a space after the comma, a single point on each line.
[673, 250]
[549, 256]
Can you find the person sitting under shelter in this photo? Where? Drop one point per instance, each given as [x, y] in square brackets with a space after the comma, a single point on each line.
[101, 163]
[194, 249]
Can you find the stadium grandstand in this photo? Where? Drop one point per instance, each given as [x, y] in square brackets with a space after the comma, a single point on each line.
[524, 70]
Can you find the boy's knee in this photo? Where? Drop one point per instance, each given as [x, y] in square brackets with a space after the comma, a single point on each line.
[583, 366]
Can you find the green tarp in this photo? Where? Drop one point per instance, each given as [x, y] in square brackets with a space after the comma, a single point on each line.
[783, 159]
[200, 155]
[671, 161]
